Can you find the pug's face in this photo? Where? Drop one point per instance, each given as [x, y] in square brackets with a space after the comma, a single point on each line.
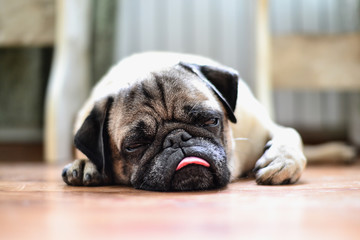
[166, 132]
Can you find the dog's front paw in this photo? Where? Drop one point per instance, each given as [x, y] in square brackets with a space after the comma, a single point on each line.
[82, 173]
[280, 164]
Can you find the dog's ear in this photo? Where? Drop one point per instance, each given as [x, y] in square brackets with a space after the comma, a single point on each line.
[222, 80]
[92, 137]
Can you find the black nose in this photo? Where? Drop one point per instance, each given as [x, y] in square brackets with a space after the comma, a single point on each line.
[175, 138]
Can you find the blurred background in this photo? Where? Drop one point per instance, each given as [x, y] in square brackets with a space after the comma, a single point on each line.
[315, 57]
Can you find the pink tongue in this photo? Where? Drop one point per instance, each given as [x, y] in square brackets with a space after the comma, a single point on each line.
[192, 160]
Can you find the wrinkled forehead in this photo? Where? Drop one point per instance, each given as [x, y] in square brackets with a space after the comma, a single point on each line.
[165, 96]
[166, 91]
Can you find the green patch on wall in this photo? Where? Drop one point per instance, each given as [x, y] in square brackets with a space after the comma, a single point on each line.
[23, 77]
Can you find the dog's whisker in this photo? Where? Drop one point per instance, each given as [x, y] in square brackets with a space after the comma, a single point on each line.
[195, 105]
[241, 139]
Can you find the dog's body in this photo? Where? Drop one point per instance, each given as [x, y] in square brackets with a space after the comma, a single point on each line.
[164, 121]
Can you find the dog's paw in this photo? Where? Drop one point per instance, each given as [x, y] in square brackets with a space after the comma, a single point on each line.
[280, 164]
[82, 173]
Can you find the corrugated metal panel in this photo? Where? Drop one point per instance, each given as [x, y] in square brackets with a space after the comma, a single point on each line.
[222, 30]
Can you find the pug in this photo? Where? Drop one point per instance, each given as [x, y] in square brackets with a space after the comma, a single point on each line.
[175, 122]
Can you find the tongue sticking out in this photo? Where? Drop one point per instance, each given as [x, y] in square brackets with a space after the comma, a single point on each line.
[192, 160]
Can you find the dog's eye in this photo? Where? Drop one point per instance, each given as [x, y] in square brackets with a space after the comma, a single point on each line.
[134, 147]
[213, 122]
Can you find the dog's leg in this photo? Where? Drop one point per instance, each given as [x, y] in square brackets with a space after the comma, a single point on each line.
[331, 152]
[82, 172]
[283, 160]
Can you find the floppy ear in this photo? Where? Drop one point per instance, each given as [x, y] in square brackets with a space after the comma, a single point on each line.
[222, 80]
[92, 137]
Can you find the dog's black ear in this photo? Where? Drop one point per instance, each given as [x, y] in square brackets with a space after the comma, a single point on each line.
[222, 80]
[92, 137]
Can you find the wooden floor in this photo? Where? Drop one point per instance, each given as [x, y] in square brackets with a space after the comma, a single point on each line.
[36, 204]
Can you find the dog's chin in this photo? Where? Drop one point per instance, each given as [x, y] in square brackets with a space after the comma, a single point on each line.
[188, 178]
[193, 178]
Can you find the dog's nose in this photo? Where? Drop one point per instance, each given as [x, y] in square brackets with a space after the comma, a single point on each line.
[175, 138]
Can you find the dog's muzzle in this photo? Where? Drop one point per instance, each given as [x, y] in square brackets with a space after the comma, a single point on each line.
[186, 163]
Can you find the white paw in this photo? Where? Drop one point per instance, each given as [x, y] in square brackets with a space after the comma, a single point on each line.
[280, 164]
[82, 173]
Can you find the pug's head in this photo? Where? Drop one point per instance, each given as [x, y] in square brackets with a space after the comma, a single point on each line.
[168, 131]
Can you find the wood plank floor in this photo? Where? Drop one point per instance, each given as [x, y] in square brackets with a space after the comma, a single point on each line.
[36, 204]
